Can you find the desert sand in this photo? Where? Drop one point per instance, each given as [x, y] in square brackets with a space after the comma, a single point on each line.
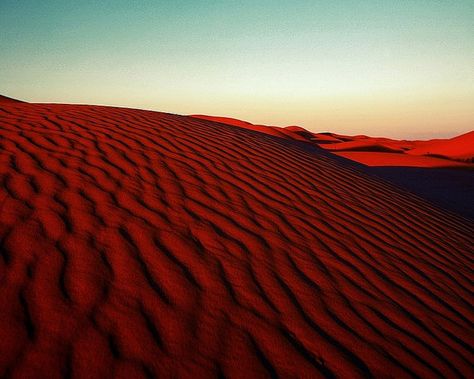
[439, 170]
[143, 244]
[376, 151]
[5, 99]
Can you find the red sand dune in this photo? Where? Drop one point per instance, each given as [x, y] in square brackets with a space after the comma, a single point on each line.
[271, 130]
[323, 138]
[375, 151]
[368, 145]
[374, 158]
[372, 151]
[385, 152]
[5, 99]
[143, 244]
[458, 148]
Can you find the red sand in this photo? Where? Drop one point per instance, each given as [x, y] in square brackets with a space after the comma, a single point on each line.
[454, 152]
[373, 151]
[460, 148]
[271, 130]
[367, 145]
[144, 244]
[374, 158]
[5, 99]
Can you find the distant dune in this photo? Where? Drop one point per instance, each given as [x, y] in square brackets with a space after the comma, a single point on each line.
[433, 153]
[376, 151]
[143, 244]
[458, 148]
[374, 157]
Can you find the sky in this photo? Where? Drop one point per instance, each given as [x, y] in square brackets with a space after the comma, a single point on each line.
[400, 69]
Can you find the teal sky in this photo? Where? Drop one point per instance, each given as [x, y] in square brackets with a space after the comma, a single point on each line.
[392, 68]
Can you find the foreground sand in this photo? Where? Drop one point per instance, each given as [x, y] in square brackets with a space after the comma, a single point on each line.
[143, 244]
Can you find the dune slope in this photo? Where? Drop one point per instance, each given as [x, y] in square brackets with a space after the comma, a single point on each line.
[5, 99]
[375, 151]
[460, 147]
[144, 244]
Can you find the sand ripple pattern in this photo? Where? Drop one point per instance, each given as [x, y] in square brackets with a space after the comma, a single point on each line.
[142, 244]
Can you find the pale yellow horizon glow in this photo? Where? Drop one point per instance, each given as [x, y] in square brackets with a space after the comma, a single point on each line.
[395, 69]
